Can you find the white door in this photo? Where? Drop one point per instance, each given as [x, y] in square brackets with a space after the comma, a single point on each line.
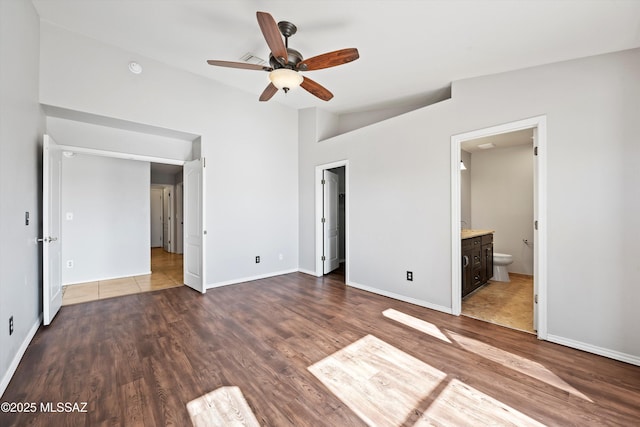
[331, 227]
[167, 216]
[156, 217]
[194, 227]
[535, 232]
[179, 219]
[51, 268]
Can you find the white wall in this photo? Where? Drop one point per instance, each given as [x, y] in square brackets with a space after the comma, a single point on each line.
[109, 138]
[251, 147]
[21, 124]
[592, 108]
[109, 235]
[502, 200]
[162, 178]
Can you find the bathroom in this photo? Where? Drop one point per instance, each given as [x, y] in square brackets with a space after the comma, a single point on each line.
[497, 193]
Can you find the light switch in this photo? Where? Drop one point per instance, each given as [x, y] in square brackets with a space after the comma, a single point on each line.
[69, 216]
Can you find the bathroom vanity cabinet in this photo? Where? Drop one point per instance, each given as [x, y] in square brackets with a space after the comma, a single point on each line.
[477, 259]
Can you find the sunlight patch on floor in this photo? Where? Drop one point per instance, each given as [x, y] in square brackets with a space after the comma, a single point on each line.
[225, 406]
[462, 405]
[377, 381]
[415, 323]
[515, 362]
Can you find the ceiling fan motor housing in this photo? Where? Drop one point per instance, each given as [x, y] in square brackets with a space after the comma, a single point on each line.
[293, 58]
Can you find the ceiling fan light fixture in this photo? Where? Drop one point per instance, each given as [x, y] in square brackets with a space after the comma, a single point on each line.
[286, 79]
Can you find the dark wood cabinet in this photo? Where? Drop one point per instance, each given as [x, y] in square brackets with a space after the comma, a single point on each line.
[477, 262]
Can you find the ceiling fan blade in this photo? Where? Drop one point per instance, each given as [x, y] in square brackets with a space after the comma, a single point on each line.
[268, 92]
[316, 89]
[243, 65]
[330, 59]
[271, 34]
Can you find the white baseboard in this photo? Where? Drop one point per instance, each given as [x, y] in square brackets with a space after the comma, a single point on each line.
[249, 279]
[16, 359]
[600, 351]
[404, 298]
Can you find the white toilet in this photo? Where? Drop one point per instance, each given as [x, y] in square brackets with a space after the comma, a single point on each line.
[500, 262]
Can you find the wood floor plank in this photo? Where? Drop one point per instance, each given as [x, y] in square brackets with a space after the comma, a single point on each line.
[140, 359]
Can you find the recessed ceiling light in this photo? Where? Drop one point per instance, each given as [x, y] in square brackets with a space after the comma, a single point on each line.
[486, 146]
[135, 68]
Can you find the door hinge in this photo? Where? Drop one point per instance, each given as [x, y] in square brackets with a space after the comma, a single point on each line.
[535, 151]
[323, 220]
[323, 182]
[204, 232]
[535, 298]
[323, 258]
[535, 224]
[204, 162]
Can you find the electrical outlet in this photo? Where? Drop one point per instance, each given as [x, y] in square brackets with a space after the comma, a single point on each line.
[410, 276]
[257, 260]
[70, 263]
[280, 257]
[11, 325]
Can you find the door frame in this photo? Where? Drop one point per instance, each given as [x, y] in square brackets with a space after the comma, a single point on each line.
[539, 124]
[319, 213]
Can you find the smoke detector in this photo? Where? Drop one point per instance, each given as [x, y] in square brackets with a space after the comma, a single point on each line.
[135, 68]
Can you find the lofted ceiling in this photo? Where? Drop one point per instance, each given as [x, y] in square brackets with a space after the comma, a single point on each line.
[410, 50]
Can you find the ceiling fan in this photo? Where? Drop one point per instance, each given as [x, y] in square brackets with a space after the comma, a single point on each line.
[286, 63]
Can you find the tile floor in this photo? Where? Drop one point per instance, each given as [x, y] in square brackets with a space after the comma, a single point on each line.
[166, 272]
[508, 304]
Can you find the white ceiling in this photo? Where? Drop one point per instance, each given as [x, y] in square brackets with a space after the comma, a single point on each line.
[409, 49]
[502, 140]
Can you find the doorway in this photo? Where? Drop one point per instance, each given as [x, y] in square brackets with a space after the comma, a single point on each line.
[496, 188]
[537, 126]
[332, 219]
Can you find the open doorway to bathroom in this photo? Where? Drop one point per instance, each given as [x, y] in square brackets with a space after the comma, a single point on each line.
[500, 195]
[496, 194]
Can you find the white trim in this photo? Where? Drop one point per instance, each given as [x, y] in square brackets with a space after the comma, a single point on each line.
[250, 279]
[120, 155]
[318, 216]
[399, 297]
[612, 354]
[539, 122]
[305, 271]
[18, 357]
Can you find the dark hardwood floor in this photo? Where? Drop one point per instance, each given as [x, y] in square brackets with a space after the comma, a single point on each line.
[308, 351]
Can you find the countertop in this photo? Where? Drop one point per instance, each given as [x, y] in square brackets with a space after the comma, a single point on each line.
[465, 233]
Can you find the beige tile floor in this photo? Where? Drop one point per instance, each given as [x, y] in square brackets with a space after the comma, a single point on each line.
[508, 304]
[166, 272]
